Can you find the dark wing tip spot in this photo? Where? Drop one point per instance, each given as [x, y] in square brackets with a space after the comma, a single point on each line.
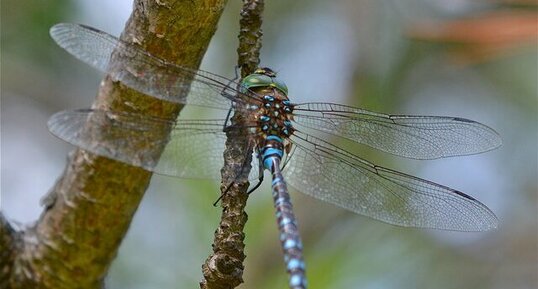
[461, 119]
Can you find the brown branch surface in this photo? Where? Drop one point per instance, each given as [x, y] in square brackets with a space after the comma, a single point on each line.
[9, 239]
[89, 210]
[224, 268]
[250, 36]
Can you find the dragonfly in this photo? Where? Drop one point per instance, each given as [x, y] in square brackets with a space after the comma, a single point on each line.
[280, 137]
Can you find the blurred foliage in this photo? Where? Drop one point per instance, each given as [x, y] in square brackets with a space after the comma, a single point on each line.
[25, 26]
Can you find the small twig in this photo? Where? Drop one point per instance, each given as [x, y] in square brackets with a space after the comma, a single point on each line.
[250, 36]
[224, 268]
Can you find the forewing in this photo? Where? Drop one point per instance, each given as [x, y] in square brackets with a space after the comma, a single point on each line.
[141, 71]
[417, 137]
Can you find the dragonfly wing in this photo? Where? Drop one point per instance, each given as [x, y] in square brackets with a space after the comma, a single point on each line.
[417, 137]
[328, 173]
[141, 71]
[194, 148]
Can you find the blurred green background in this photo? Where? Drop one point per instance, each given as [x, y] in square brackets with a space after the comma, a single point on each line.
[466, 58]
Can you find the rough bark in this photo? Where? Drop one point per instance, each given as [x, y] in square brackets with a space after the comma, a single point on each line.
[250, 36]
[224, 268]
[89, 210]
[9, 239]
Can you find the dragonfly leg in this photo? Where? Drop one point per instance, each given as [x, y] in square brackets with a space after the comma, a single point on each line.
[228, 187]
[288, 157]
[260, 180]
[237, 71]
[223, 93]
[223, 193]
[260, 173]
[227, 118]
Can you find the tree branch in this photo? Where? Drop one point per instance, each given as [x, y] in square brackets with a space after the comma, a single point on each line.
[224, 268]
[250, 36]
[9, 247]
[90, 208]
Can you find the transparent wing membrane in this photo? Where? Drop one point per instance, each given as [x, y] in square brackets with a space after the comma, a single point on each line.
[328, 173]
[418, 137]
[187, 148]
[141, 71]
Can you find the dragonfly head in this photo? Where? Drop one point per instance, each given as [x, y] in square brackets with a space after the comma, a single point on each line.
[263, 77]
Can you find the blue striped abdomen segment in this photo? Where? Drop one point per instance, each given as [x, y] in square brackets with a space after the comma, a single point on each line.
[290, 239]
[289, 234]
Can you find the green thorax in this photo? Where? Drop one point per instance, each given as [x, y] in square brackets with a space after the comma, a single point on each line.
[263, 77]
